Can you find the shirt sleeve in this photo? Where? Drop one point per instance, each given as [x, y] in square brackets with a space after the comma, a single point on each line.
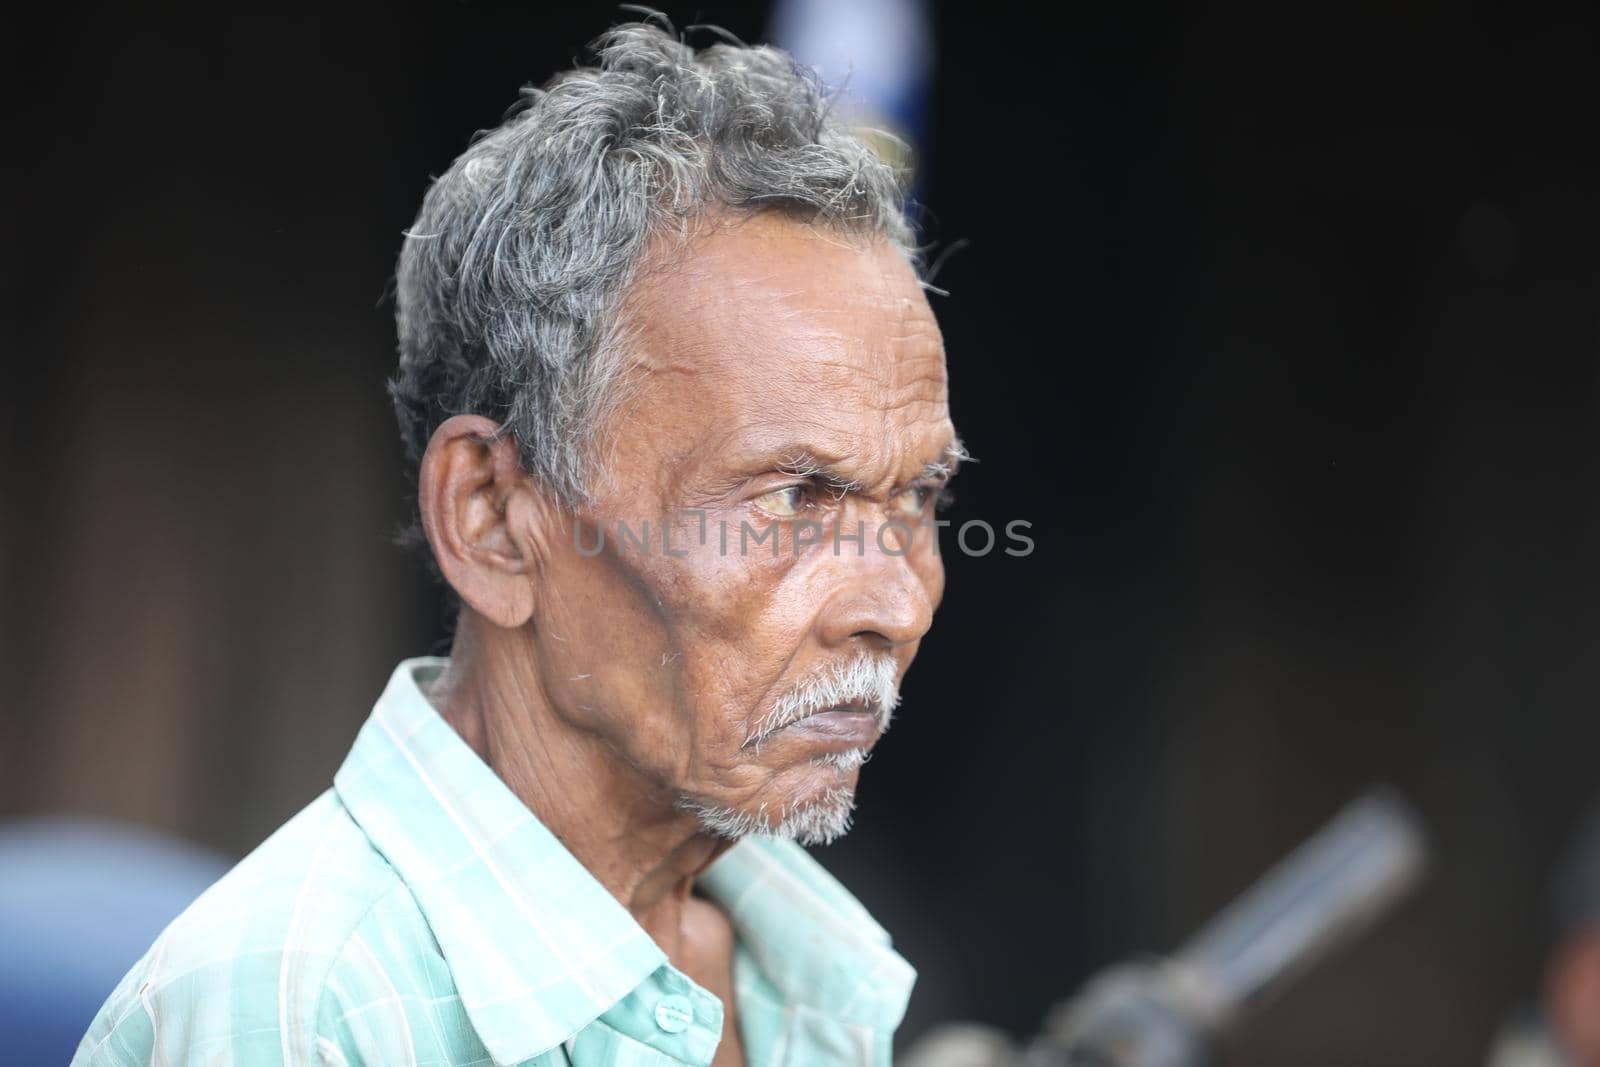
[121, 1034]
[370, 1011]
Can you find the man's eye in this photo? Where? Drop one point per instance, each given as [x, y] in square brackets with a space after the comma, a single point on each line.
[912, 501]
[783, 503]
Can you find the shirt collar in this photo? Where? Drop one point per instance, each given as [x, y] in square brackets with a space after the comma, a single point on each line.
[537, 947]
[809, 935]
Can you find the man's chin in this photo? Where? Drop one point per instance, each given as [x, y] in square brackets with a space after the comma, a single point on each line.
[818, 819]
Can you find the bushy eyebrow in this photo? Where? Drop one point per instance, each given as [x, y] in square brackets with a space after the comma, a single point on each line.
[945, 467]
[806, 464]
[803, 463]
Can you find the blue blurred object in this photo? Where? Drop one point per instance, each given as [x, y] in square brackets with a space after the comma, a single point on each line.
[80, 901]
[880, 51]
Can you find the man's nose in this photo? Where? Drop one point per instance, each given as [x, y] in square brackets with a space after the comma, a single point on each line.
[880, 598]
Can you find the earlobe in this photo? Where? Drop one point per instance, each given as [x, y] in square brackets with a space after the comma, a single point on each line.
[474, 500]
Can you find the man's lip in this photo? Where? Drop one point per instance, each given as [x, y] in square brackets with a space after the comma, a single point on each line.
[838, 728]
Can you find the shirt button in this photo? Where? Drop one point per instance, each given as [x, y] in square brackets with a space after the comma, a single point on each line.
[674, 1013]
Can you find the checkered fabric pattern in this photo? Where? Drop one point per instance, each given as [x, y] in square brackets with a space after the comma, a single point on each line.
[419, 913]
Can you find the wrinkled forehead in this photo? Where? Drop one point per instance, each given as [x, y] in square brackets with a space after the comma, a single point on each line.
[770, 331]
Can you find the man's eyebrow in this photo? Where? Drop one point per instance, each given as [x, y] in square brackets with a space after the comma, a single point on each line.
[945, 467]
[801, 462]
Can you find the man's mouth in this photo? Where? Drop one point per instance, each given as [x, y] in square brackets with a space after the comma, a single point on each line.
[845, 706]
[841, 727]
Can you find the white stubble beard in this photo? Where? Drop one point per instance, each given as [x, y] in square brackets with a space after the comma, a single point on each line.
[822, 818]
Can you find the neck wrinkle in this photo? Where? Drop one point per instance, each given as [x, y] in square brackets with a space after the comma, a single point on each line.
[639, 847]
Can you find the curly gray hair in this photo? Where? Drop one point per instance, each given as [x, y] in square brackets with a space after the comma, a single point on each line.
[510, 282]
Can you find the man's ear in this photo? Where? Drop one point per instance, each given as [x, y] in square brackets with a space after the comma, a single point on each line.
[484, 518]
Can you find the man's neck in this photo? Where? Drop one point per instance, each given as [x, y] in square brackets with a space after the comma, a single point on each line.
[619, 826]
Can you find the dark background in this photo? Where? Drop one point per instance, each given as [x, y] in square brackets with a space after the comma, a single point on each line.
[1279, 325]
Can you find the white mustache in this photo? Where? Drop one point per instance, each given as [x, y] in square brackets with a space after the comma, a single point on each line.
[867, 681]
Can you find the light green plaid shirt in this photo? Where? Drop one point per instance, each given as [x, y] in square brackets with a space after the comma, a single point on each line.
[418, 913]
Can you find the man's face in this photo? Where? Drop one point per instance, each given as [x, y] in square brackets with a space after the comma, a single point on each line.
[790, 396]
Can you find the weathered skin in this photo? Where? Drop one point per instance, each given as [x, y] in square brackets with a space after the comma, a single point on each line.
[604, 688]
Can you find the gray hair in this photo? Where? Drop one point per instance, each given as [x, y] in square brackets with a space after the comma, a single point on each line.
[509, 286]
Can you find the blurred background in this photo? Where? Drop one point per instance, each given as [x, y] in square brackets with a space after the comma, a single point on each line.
[1281, 327]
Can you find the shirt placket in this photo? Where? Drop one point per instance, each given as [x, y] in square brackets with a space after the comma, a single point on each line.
[667, 1021]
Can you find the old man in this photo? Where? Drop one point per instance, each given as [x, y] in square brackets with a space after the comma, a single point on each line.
[676, 404]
